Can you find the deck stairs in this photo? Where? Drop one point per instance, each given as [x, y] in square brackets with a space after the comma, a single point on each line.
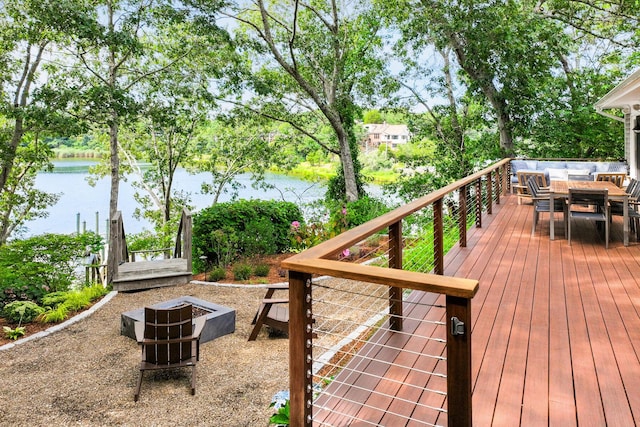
[125, 273]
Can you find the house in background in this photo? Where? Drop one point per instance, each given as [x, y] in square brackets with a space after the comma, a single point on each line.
[391, 135]
[626, 97]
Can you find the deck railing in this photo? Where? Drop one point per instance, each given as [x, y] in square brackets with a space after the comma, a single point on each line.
[430, 224]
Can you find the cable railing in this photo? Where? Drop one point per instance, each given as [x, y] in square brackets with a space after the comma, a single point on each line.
[377, 335]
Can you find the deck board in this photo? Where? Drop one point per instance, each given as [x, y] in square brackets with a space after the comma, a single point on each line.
[555, 334]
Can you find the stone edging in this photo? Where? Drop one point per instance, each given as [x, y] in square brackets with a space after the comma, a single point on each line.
[108, 298]
[64, 324]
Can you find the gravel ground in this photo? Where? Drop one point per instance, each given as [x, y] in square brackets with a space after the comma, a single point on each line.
[85, 374]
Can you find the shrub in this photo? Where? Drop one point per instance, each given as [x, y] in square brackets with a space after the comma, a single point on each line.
[21, 311]
[363, 210]
[217, 274]
[225, 232]
[241, 271]
[259, 237]
[261, 270]
[34, 267]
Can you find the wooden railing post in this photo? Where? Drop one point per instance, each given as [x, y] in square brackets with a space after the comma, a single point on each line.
[187, 236]
[459, 401]
[114, 249]
[498, 180]
[462, 217]
[395, 261]
[489, 193]
[479, 203]
[438, 238]
[300, 349]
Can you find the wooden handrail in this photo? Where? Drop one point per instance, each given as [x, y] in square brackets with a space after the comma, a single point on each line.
[458, 291]
[350, 237]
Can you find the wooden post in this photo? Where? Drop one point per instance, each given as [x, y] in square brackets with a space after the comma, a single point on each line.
[462, 217]
[479, 203]
[506, 180]
[114, 250]
[300, 349]
[489, 193]
[438, 238]
[395, 261]
[459, 401]
[497, 182]
[187, 237]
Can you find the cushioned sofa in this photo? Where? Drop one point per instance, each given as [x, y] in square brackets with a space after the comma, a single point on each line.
[566, 170]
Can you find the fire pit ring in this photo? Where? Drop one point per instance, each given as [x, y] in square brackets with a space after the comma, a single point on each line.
[220, 321]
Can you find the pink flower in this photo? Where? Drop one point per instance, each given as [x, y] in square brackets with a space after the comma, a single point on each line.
[295, 225]
[346, 253]
[344, 210]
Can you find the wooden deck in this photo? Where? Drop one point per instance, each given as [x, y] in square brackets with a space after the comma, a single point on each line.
[556, 330]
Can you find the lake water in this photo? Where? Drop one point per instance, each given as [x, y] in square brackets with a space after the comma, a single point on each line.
[79, 199]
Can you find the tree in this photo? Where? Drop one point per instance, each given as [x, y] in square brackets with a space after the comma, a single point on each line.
[240, 145]
[493, 45]
[313, 57]
[372, 116]
[29, 32]
[118, 51]
[525, 60]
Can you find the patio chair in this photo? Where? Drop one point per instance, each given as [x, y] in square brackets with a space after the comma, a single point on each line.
[597, 198]
[523, 177]
[273, 312]
[169, 339]
[617, 208]
[616, 177]
[541, 203]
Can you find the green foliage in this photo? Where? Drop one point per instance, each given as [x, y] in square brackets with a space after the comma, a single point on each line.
[259, 237]
[282, 416]
[241, 271]
[236, 146]
[54, 314]
[60, 304]
[341, 218]
[14, 334]
[363, 210]
[217, 274]
[372, 116]
[261, 270]
[21, 311]
[39, 265]
[226, 231]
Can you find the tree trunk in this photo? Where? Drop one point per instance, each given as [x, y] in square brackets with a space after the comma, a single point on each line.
[350, 185]
[10, 154]
[115, 166]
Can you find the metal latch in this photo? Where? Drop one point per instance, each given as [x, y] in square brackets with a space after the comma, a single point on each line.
[457, 326]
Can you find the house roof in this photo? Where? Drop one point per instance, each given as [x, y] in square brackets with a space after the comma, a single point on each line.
[624, 94]
[387, 128]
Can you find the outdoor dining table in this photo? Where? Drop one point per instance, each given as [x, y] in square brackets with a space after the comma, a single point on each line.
[560, 190]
